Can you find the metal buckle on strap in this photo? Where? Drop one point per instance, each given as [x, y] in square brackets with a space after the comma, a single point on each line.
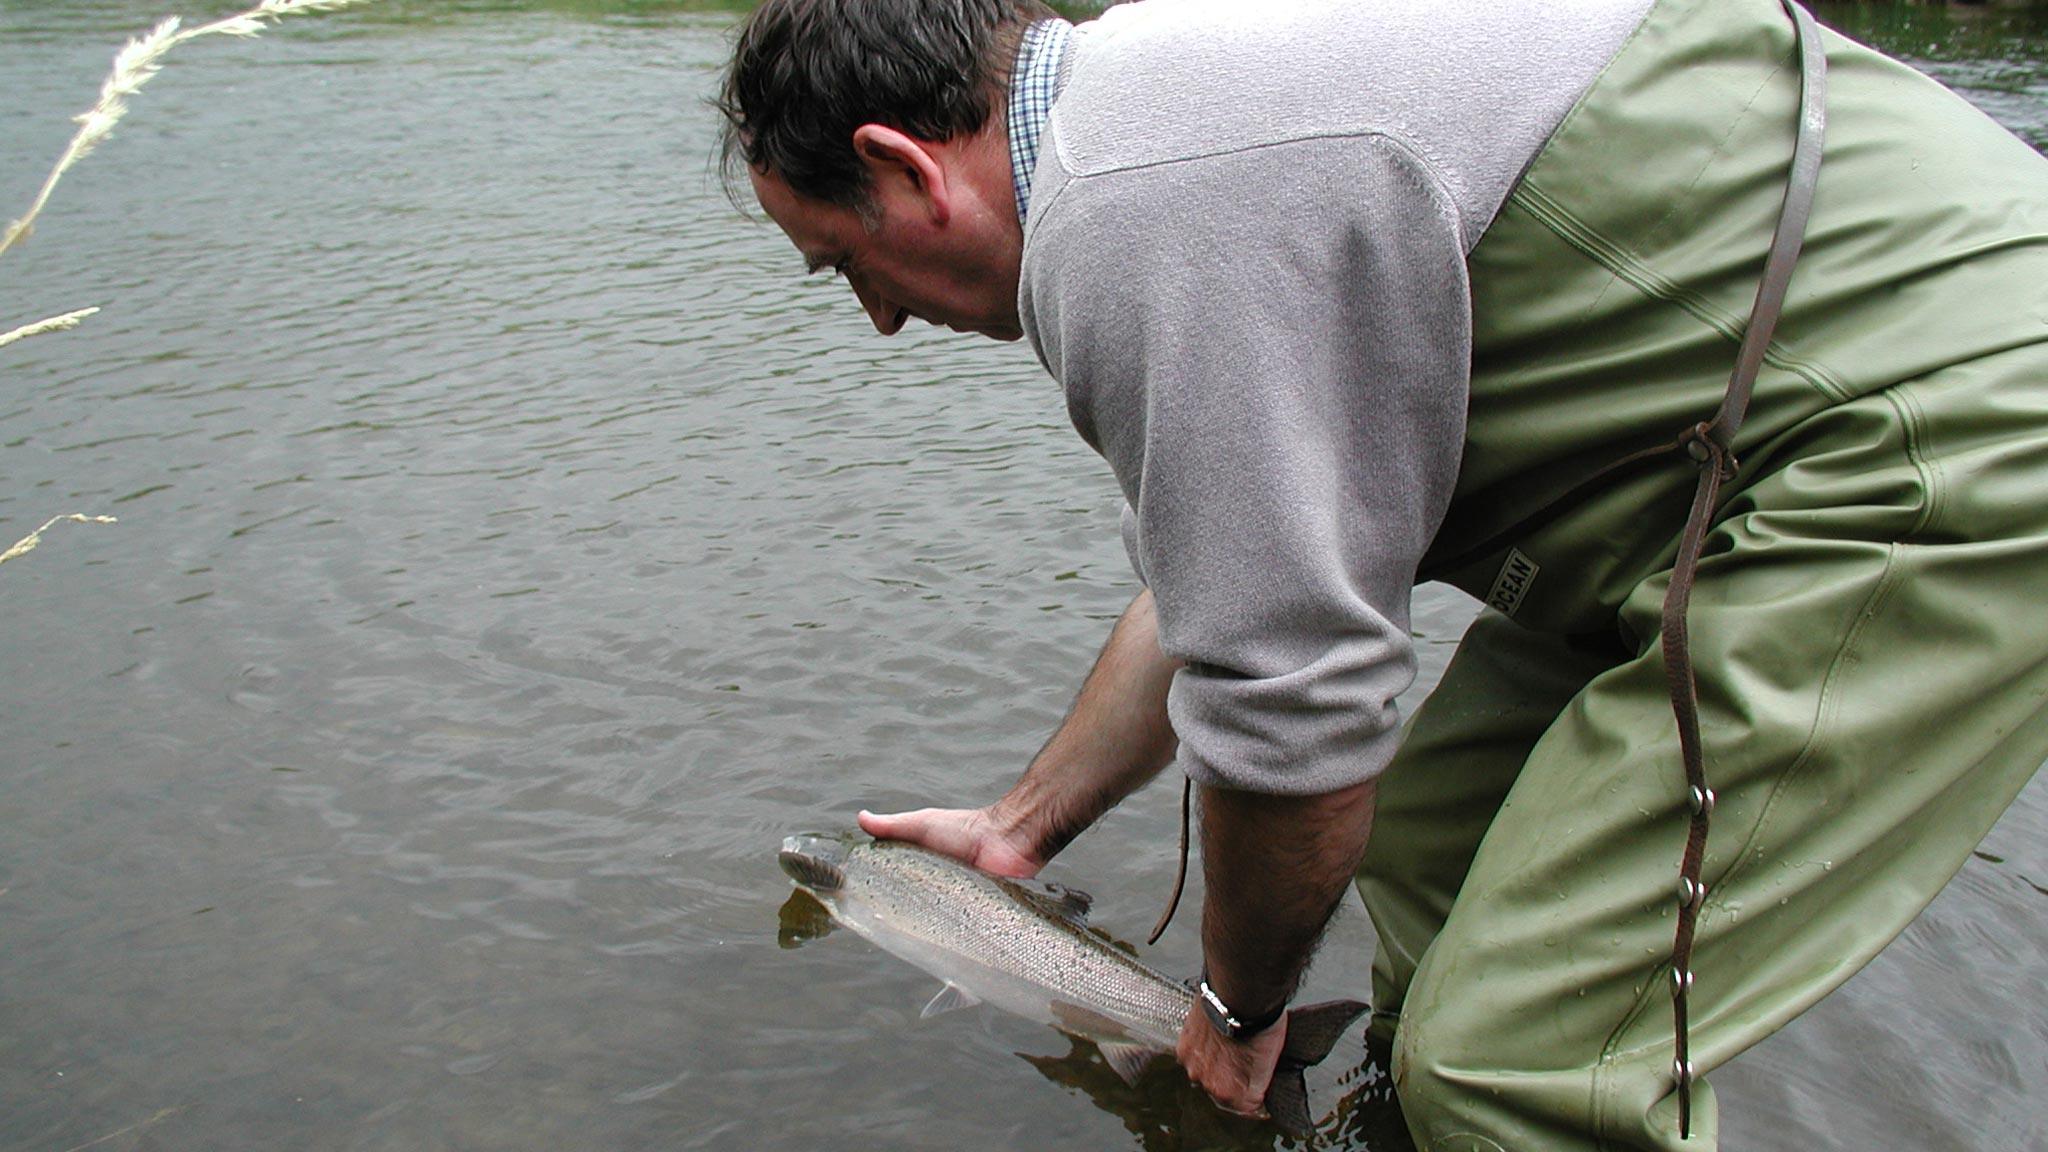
[1703, 447]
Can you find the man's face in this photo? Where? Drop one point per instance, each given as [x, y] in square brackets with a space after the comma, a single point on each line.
[900, 264]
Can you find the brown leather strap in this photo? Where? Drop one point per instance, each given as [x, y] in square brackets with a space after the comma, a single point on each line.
[1710, 445]
[1180, 875]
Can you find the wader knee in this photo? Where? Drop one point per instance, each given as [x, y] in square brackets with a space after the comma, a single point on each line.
[1433, 1102]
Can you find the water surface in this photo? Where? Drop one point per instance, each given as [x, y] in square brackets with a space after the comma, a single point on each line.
[513, 546]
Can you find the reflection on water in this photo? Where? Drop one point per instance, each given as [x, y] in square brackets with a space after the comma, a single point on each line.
[803, 918]
[512, 548]
[1162, 1112]
[1997, 55]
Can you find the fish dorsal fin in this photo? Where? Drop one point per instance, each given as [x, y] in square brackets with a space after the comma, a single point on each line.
[1127, 1060]
[1055, 900]
[950, 997]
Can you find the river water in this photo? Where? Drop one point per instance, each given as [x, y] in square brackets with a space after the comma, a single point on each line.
[512, 547]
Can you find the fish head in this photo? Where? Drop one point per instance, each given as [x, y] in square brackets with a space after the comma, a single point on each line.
[816, 860]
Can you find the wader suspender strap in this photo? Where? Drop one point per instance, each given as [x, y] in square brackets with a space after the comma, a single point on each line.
[1710, 446]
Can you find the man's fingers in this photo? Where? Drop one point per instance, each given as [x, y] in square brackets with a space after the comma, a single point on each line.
[926, 826]
[883, 827]
[1235, 1075]
[962, 833]
[947, 830]
[1230, 1094]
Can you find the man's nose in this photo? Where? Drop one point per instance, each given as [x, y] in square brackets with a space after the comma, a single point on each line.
[887, 317]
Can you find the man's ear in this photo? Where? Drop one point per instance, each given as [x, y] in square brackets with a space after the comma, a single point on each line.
[904, 166]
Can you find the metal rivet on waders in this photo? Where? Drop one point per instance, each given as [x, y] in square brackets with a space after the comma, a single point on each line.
[1690, 892]
[1681, 1071]
[1702, 800]
[1681, 981]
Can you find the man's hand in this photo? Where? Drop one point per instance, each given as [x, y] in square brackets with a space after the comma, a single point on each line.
[969, 835]
[1235, 1073]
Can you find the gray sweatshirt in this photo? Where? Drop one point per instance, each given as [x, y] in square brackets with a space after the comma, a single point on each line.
[1245, 263]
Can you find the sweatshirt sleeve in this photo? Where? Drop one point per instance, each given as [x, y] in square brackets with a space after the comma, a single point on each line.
[1272, 350]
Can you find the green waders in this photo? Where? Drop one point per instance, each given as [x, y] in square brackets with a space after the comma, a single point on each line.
[1870, 626]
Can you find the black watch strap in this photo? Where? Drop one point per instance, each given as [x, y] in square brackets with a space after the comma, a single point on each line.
[1229, 1024]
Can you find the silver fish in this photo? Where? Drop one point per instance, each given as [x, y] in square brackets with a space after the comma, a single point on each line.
[1025, 947]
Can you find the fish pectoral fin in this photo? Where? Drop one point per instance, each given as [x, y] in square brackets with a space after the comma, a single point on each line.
[1127, 1060]
[950, 997]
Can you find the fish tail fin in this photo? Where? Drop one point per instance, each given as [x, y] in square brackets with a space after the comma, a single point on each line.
[1314, 1030]
[1311, 1033]
[1287, 1102]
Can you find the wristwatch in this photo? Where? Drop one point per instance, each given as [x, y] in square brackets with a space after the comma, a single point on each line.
[1226, 1022]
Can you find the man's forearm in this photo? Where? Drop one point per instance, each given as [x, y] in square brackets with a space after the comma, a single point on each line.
[1275, 868]
[1114, 740]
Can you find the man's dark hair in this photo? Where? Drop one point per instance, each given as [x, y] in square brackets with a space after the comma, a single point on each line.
[806, 73]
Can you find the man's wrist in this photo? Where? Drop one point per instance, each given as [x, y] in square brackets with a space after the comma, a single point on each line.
[1025, 816]
[1018, 824]
[1227, 1021]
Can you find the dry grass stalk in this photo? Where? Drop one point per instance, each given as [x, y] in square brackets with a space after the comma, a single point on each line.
[53, 324]
[28, 543]
[133, 67]
[136, 1127]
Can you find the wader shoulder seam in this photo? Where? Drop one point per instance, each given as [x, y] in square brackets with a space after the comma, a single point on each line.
[1647, 280]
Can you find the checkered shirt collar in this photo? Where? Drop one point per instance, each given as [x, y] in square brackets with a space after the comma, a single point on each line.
[1034, 81]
